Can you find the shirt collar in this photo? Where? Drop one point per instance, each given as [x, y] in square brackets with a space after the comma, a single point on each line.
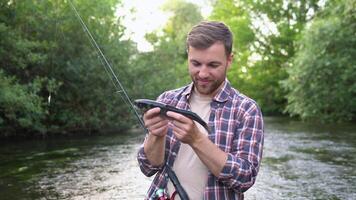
[188, 90]
[223, 93]
[221, 96]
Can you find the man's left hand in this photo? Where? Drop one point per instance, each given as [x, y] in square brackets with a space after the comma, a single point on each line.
[184, 128]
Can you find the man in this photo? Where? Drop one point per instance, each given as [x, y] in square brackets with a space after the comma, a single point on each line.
[223, 163]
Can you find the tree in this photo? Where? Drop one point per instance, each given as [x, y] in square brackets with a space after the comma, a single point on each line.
[265, 33]
[321, 83]
[21, 106]
[166, 66]
[52, 77]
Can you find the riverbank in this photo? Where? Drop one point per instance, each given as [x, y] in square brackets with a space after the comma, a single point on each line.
[66, 134]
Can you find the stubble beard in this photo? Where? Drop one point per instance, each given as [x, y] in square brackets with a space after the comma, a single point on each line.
[209, 89]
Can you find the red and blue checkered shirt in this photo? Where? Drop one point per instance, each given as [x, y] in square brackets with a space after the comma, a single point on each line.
[236, 126]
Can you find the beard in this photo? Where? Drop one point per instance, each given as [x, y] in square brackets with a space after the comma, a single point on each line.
[208, 88]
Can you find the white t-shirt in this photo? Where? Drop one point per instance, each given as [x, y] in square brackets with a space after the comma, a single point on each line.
[191, 172]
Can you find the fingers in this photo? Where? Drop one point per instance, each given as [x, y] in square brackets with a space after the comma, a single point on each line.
[151, 113]
[180, 121]
[159, 131]
[178, 117]
[178, 126]
[155, 123]
[184, 128]
[153, 118]
[181, 124]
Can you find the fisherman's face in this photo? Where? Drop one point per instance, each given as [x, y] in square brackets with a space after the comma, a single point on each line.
[208, 67]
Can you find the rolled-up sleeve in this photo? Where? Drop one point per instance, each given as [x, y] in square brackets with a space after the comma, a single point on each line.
[242, 164]
[146, 167]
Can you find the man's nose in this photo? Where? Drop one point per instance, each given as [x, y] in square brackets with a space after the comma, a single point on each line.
[204, 72]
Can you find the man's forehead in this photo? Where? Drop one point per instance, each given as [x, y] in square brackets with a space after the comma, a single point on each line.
[217, 49]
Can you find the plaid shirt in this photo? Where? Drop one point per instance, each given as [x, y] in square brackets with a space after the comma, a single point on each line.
[236, 126]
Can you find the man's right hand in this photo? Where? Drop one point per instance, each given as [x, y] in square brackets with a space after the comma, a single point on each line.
[156, 124]
[154, 145]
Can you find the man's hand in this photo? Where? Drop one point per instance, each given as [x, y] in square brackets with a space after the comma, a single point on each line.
[156, 124]
[184, 128]
[187, 132]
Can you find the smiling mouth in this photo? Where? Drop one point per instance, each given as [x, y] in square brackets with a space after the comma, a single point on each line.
[203, 82]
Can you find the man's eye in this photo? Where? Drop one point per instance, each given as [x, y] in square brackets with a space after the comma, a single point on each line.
[214, 65]
[196, 64]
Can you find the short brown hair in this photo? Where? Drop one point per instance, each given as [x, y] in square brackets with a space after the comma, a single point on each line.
[206, 33]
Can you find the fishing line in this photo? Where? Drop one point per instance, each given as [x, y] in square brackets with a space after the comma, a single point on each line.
[107, 66]
[121, 90]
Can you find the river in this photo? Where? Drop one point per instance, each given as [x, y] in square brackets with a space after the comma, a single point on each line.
[300, 161]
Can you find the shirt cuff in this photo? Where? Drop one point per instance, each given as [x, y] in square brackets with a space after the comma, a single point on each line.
[227, 171]
[145, 164]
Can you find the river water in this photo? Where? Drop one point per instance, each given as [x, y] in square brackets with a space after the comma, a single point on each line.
[300, 161]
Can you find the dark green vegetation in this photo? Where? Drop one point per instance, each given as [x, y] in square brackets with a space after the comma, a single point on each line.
[45, 54]
[53, 81]
[321, 83]
[300, 60]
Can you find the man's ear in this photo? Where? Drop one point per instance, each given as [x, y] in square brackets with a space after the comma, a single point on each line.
[230, 58]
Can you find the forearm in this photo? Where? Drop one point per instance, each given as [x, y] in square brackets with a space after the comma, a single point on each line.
[236, 170]
[154, 149]
[213, 157]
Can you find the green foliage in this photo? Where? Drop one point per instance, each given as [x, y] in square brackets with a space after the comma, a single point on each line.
[264, 33]
[52, 77]
[166, 68]
[321, 82]
[21, 107]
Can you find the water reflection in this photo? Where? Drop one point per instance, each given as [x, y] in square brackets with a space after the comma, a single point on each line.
[104, 173]
[301, 161]
[304, 162]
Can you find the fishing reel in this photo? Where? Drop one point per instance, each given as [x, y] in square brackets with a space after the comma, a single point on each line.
[161, 194]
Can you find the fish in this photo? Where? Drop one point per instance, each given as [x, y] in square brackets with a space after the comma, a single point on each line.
[146, 104]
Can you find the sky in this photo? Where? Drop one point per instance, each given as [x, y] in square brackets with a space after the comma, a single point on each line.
[148, 17]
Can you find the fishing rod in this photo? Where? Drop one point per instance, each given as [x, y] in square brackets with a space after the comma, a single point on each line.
[121, 90]
[108, 68]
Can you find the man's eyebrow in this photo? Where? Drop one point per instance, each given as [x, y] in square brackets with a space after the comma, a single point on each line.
[193, 60]
[209, 63]
[215, 62]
